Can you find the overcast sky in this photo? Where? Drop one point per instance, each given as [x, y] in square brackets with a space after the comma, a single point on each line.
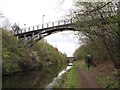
[30, 12]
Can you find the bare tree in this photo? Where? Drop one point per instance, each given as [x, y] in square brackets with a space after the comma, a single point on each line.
[98, 21]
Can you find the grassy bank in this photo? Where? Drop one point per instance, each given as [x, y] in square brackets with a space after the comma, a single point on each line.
[71, 79]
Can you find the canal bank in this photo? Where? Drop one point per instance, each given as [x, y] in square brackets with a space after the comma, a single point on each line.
[67, 78]
[79, 77]
[57, 81]
[71, 79]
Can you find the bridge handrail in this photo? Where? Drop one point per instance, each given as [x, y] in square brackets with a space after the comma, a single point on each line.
[45, 25]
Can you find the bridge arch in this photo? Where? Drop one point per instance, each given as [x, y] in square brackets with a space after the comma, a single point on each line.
[33, 34]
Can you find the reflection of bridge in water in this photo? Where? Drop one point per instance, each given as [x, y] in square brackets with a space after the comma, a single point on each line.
[31, 35]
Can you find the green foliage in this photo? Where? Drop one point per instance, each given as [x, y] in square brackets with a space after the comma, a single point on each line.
[81, 52]
[17, 58]
[100, 24]
[9, 52]
[49, 54]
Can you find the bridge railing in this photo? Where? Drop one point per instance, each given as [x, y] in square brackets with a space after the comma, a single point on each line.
[43, 26]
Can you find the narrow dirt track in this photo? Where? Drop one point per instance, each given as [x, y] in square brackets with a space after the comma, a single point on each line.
[87, 79]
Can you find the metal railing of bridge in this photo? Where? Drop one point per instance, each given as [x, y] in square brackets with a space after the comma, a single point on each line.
[43, 26]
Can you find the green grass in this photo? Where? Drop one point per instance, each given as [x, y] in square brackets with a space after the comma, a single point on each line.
[74, 77]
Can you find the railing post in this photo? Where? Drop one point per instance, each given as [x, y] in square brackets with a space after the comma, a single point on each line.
[37, 27]
[33, 28]
[53, 24]
[29, 28]
[47, 25]
[42, 25]
[58, 23]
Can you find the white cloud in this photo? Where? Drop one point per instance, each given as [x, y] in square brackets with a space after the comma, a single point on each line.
[65, 43]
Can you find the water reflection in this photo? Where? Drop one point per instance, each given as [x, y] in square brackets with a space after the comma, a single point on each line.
[31, 79]
[57, 79]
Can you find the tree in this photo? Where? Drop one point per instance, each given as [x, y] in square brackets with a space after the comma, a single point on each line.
[99, 23]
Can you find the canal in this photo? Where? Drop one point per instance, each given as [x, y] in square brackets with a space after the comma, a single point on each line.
[33, 79]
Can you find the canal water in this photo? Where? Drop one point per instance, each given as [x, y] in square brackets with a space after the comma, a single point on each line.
[56, 80]
[33, 79]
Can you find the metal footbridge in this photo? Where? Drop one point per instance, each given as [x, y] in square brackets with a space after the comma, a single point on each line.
[31, 35]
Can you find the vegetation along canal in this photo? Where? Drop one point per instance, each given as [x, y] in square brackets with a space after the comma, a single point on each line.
[29, 68]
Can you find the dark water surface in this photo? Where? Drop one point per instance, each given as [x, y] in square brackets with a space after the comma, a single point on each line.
[31, 79]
